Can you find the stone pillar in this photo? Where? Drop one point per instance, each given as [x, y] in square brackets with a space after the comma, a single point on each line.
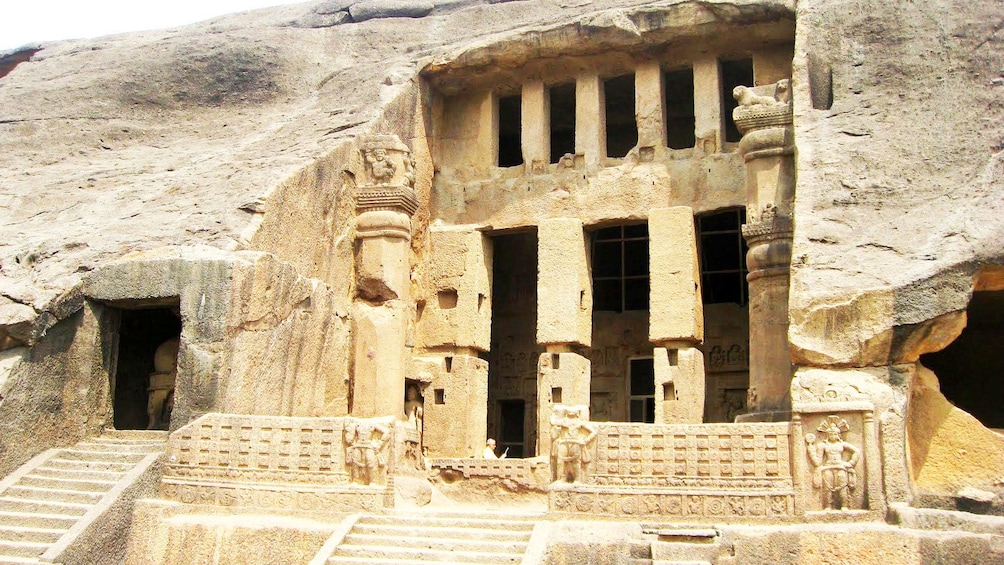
[708, 126]
[590, 120]
[649, 104]
[676, 316]
[456, 407]
[562, 378]
[764, 117]
[536, 125]
[385, 201]
[564, 319]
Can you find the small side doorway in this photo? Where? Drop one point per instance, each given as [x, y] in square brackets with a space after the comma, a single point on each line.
[512, 427]
[145, 367]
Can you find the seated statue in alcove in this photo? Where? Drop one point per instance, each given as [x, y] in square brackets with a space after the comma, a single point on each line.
[165, 365]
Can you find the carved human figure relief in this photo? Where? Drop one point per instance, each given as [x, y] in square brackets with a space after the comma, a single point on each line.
[834, 461]
[381, 167]
[572, 437]
[364, 457]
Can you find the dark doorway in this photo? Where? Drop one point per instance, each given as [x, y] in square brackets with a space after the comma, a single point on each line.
[622, 127]
[971, 370]
[562, 119]
[512, 360]
[512, 427]
[510, 131]
[679, 104]
[141, 332]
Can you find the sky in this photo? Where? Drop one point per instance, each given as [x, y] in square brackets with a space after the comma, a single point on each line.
[26, 21]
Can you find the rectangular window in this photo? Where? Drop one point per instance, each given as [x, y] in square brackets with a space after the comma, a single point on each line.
[722, 252]
[733, 73]
[620, 268]
[642, 375]
[679, 102]
[510, 130]
[562, 120]
[622, 128]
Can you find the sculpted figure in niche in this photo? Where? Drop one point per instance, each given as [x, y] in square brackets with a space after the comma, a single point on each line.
[571, 442]
[161, 384]
[834, 460]
[414, 412]
[381, 167]
[364, 456]
[414, 407]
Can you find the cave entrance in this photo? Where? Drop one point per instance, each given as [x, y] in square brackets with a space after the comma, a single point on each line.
[145, 367]
[512, 360]
[970, 370]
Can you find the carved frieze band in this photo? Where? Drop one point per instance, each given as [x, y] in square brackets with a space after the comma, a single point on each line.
[721, 505]
[394, 198]
[286, 497]
[771, 225]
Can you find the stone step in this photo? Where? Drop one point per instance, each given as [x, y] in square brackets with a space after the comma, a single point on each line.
[444, 531]
[436, 543]
[449, 521]
[121, 446]
[74, 454]
[13, 504]
[59, 463]
[22, 549]
[53, 494]
[338, 560]
[69, 483]
[26, 533]
[433, 555]
[56, 472]
[129, 452]
[147, 435]
[36, 519]
[11, 560]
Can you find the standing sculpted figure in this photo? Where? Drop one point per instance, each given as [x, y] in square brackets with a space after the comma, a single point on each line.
[571, 437]
[161, 384]
[833, 473]
[364, 450]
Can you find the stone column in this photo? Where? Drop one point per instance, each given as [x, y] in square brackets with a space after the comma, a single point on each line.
[676, 316]
[564, 320]
[590, 120]
[764, 117]
[385, 201]
[536, 126]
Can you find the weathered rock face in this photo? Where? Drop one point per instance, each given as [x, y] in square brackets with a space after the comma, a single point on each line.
[900, 172]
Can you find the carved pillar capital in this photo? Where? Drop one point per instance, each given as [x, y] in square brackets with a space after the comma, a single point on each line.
[769, 241]
[764, 117]
[388, 177]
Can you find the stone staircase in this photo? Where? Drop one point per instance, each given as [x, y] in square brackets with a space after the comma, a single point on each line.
[681, 546]
[51, 500]
[454, 538]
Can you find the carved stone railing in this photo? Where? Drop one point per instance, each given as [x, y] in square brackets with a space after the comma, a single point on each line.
[325, 464]
[697, 471]
[521, 471]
